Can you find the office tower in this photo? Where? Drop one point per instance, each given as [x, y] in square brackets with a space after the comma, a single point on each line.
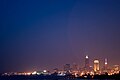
[105, 64]
[86, 62]
[116, 68]
[67, 67]
[96, 65]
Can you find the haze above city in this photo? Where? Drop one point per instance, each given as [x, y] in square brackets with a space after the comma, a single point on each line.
[38, 35]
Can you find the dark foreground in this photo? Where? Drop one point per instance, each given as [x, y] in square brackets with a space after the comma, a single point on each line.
[55, 77]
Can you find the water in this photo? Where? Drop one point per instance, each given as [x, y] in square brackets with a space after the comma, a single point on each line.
[45, 78]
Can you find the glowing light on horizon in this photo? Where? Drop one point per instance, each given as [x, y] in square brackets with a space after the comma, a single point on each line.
[35, 72]
[44, 71]
[86, 56]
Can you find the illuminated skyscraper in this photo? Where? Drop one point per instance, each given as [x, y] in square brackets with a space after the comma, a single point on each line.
[116, 67]
[106, 64]
[96, 65]
[86, 62]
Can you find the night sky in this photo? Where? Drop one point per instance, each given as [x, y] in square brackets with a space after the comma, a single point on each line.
[46, 34]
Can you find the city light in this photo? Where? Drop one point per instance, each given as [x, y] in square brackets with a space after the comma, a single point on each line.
[86, 56]
[44, 71]
[96, 65]
[35, 72]
[75, 70]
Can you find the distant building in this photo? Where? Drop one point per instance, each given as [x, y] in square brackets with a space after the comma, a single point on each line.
[55, 70]
[67, 67]
[87, 62]
[74, 67]
[105, 67]
[96, 65]
[116, 67]
[106, 64]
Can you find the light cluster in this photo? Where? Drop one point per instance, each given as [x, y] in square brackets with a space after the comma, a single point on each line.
[76, 70]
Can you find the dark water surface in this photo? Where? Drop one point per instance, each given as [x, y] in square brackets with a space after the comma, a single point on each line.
[47, 78]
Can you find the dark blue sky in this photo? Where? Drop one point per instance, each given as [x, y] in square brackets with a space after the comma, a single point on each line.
[45, 34]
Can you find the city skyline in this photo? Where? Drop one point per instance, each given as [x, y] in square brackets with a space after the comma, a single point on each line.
[45, 34]
[74, 70]
[88, 65]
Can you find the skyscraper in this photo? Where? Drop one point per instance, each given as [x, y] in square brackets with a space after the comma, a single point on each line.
[116, 67]
[86, 62]
[96, 65]
[105, 64]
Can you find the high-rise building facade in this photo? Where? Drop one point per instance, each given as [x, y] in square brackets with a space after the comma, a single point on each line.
[105, 64]
[96, 65]
[116, 67]
[87, 62]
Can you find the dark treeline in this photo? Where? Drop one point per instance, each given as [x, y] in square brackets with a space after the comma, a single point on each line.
[55, 77]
